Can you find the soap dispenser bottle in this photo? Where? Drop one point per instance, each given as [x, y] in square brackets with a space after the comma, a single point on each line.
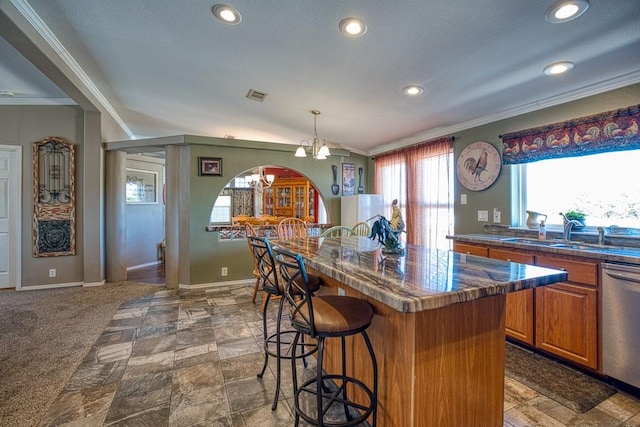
[542, 231]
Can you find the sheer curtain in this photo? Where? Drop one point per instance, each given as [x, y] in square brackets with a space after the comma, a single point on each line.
[421, 178]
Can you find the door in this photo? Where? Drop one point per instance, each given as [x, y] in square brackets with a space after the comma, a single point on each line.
[10, 249]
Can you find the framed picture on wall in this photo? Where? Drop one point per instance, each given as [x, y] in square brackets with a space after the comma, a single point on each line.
[142, 186]
[348, 179]
[211, 166]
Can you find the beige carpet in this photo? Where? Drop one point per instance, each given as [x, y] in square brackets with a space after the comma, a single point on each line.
[44, 335]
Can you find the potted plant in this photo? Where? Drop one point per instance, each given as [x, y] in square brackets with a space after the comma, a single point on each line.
[577, 215]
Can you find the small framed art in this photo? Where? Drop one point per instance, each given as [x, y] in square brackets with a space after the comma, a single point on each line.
[348, 179]
[209, 166]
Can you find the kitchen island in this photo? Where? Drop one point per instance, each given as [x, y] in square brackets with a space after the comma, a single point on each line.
[439, 328]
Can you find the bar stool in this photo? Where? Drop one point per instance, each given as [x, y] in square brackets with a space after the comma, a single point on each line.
[321, 317]
[274, 287]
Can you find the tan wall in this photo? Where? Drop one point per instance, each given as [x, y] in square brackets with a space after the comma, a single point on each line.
[22, 126]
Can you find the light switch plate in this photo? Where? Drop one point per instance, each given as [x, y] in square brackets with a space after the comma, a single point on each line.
[483, 216]
[463, 199]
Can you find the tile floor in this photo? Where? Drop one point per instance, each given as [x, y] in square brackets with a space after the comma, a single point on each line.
[191, 359]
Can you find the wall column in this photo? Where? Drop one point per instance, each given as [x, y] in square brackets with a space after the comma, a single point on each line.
[115, 230]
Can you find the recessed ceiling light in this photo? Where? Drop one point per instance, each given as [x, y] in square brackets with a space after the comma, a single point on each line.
[558, 68]
[352, 27]
[7, 94]
[566, 10]
[226, 14]
[413, 90]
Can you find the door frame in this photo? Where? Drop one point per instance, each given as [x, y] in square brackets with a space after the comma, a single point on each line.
[15, 212]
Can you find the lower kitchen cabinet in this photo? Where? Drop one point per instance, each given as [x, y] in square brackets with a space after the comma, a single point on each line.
[560, 319]
[566, 322]
[519, 307]
[566, 313]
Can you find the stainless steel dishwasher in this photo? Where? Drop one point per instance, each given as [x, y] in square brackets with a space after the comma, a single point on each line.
[621, 322]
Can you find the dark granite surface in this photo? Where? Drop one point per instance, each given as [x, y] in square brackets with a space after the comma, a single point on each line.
[609, 253]
[422, 279]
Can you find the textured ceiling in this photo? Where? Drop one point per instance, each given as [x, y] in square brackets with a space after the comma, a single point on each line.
[168, 67]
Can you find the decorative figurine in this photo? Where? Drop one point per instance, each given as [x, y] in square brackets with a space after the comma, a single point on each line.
[388, 232]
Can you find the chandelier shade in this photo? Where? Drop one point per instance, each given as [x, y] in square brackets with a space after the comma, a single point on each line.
[317, 147]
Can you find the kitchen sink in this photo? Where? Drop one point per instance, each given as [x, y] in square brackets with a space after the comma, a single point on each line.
[580, 247]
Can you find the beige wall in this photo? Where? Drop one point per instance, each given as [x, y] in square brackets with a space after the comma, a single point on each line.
[23, 126]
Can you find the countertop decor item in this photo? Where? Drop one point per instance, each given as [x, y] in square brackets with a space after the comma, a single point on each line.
[577, 215]
[478, 166]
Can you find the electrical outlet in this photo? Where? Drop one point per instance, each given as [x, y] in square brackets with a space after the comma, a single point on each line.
[224, 271]
[483, 216]
[341, 292]
[52, 272]
[463, 199]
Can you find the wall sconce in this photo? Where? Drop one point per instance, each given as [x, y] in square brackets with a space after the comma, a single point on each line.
[319, 149]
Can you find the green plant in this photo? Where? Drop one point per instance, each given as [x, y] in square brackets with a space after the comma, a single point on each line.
[580, 216]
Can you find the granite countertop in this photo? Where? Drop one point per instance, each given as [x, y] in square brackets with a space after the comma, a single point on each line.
[608, 253]
[422, 279]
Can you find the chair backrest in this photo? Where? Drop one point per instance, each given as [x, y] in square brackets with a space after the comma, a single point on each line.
[338, 231]
[362, 229]
[296, 290]
[291, 228]
[265, 263]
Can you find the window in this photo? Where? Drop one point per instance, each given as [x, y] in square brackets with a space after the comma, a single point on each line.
[420, 178]
[221, 212]
[604, 186]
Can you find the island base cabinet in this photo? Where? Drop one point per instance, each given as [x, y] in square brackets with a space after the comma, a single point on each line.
[442, 367]
[566, 322]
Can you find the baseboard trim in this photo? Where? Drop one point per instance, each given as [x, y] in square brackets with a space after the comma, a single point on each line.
[217, 284]
[94, 284]
[51, 286]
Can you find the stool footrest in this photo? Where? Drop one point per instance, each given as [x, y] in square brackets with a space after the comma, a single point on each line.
[355, 413]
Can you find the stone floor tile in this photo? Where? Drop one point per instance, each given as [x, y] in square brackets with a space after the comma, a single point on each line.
[620, 406]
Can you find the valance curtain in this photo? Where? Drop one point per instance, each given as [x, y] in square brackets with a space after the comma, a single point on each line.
[615, 130]
[419, 177]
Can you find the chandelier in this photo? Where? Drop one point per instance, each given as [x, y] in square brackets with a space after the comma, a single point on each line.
[319, 149]
[260, 180]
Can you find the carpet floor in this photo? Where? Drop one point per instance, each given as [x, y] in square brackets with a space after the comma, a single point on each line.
[566, 386]
[32, 375]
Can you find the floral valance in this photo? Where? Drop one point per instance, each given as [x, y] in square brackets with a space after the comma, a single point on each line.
[611, 131]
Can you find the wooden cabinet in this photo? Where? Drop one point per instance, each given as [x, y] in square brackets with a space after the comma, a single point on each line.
[566, 313]
[519, 320]
[560, 319]
[465, 248]
[291, 197]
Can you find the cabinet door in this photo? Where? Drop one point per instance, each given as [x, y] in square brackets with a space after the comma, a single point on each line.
[566, 322]
[465, 248]
[300, 204]
[519, 307]
[283, 205]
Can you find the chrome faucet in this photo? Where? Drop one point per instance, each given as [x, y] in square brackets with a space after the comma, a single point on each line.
[568, 226]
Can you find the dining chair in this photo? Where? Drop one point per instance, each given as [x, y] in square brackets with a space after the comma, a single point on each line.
[292, 228]
[362, 229]
[338, 231]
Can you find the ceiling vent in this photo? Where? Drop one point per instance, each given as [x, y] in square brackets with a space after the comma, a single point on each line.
[256, 96]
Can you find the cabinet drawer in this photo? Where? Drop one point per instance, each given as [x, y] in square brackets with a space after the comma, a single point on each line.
[512, 256]
[578, 271]
[470, 249]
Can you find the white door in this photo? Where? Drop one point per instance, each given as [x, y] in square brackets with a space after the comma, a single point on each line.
[10, 247]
